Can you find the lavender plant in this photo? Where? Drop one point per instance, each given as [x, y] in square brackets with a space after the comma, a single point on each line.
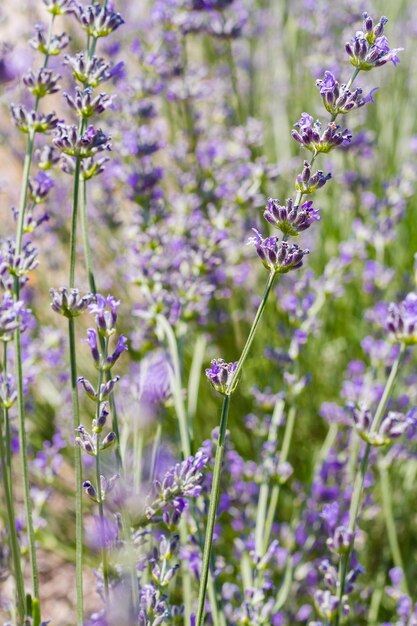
[123, 485]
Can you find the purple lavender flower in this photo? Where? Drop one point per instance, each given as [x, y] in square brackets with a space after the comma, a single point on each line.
[13, 315]
[280, 257]
[85, 105]
[105, 311]
[341, 540]
[307, 182]
[401, 321]
[68, 140]
[220, 374]
[42, 83]
[309, 136]
[96, 19]
[68, 302]
[59, 7]
[39, 187]
[184, 480]
[89, 72]
[370, 50]
[290, 219]
[338, 99]
[32, 121]
[52, 47]
[393, 426]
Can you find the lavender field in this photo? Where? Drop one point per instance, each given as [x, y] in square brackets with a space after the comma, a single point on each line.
[208, 313]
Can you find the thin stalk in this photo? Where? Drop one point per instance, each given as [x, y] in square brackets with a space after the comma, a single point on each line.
[18, 352]
[360, 476]
[14, 544]
[92, 282]
[264, 490]
[235, 378]
[78, 480]
[214, 499]
[99, 490]
[176, 385]
[215, 489]
[86, 239]
[275, 491]
[390, 523]
[233, 76]
[195, 375]
[24, 465]
[74, 219]
[7, 435]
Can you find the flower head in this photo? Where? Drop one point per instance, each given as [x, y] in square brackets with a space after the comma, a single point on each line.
[69, 302]
[338, 99]
[96, 19]
[310, 136]
[280, 257]
[290, 219]
[401, 321]
[220, 374]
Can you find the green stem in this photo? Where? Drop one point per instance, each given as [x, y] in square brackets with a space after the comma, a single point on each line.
[390, 523]
[215, 493]
[14, 543]
[78, 480]
[360, 476]
[215, 490]
[264, 490]
[233, 76]
[104, 559]
[24, 464]
[74, 219]
[176, 385]
[92, 282]
[275, 491]
[235, 378]
[86, 239]
[195, 376]
[18, 354]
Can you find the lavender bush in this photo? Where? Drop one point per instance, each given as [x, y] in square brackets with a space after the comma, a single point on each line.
[161, 157]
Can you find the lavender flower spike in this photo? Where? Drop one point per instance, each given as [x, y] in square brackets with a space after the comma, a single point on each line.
[96, 19]
[220, 374]
[338, 99]
[310, 136]
[68, 302]
[401, 322]
[278, 257]
[290, 219]
[371, 50]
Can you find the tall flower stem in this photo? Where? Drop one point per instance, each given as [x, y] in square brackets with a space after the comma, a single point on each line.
[390, 522]
[360, 476]
[215, 489]
[214, 499]
[88, 257]
[99, 489]
[14, 544]
[78, 480]
[275, 491]
[264, 489]
[176, 385]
